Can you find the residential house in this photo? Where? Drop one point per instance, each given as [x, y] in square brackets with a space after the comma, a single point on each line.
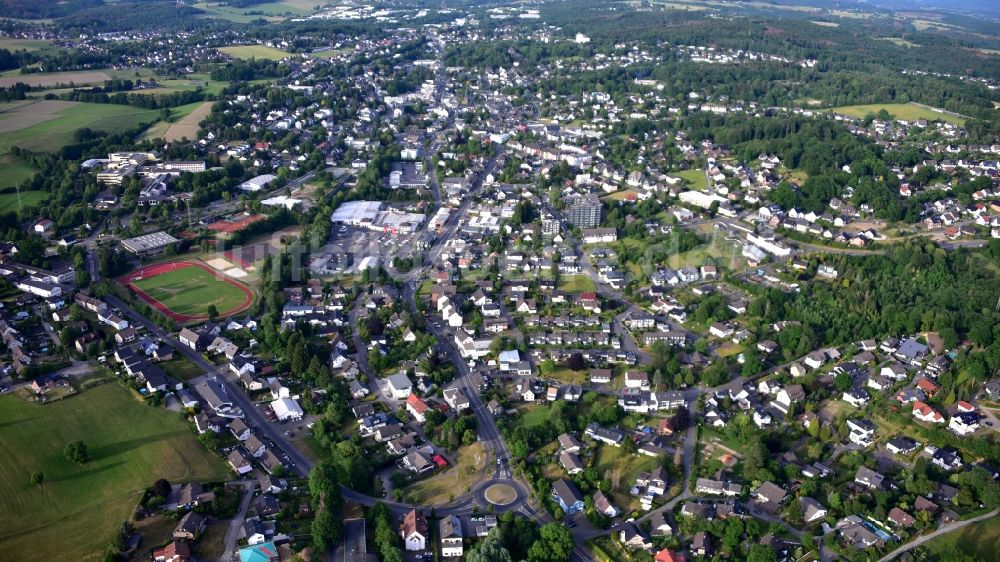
[413, 530]
[566, 494]
[450, 535]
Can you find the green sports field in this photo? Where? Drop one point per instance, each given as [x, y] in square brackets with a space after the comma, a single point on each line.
[77, 510]
[189, 291]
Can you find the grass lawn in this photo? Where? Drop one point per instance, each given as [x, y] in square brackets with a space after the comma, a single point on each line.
[978, 540]
[614, 463]
[182, 369]
[212, 542]
[12, 201]
[254, 51]
[729, 349]
[568, 376]
[694, 178]
[576, 283]
[696, 258]
[471, 463]
[906, 111]
[14, 171]
[620, 195]
[78, 508]
[190, 290]
[59, 125]
[532, 415]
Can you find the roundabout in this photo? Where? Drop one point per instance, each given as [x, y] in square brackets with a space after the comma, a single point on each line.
[500, 494]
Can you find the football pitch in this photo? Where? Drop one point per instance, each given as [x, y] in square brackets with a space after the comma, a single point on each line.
[184, 290]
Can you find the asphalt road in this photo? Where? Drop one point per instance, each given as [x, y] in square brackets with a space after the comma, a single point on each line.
[940, 531]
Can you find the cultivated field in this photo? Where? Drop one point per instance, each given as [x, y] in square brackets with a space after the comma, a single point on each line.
[22, 115]
[43, 80]
[43, 126]
[255, 51]
[30, 45]
[271, 11]
[186, 125]
[77, 510]
[978, 540]
[184, 290]
[906, 111]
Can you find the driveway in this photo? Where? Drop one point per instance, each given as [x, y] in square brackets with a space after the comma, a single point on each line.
[233, 532]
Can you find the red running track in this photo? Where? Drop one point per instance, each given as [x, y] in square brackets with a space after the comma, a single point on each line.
[154, 270]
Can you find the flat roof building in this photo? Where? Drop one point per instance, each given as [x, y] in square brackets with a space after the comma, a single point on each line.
[151, 244]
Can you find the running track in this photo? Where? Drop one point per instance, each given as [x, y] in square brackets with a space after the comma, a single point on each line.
[154, 270]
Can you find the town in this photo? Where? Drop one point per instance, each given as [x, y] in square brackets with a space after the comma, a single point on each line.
[506, 282]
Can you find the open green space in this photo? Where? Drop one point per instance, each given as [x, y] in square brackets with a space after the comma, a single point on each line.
[78, 508]
[978, 540]
[59, 124]
[16, 201]
[181, 369]
[255, 51]
[694, 178]
[470, 466]
[190, 291]
[532, 415]
[905, 111]
[576, 283]
[13, 171]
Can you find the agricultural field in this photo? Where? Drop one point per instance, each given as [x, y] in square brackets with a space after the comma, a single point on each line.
[255, 51]
[77, 509]
[42, 126]
[907, 111]
[44, 80]
[185, 124]
[270, 11]
[30, 45]
[185, 290]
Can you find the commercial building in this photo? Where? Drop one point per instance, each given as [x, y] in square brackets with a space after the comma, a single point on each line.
[152, 244]
[257, 183]
[371, 215]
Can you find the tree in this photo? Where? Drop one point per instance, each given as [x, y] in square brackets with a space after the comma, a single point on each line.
[490, 550]
[37, 478]
[161, 488]
[76, 452]
[213, 313]
[555, 544]
[576, 362]
[761, 553]
[843, 381]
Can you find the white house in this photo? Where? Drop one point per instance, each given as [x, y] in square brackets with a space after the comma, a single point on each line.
[399, 386]
[414, 531]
